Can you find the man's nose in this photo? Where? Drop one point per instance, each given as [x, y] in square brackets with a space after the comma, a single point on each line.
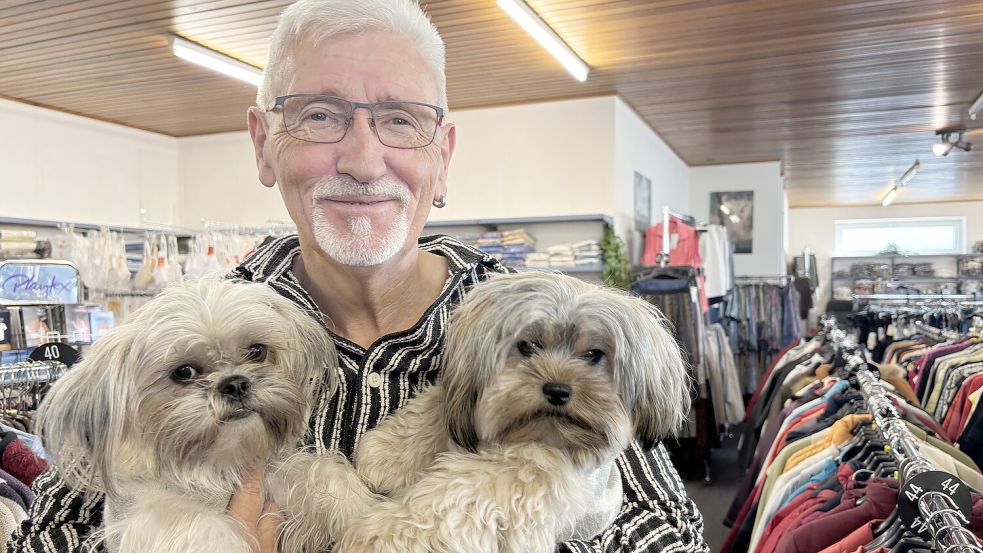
[362, 156]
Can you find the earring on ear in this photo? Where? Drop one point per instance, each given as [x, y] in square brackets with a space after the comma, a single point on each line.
[440, 202]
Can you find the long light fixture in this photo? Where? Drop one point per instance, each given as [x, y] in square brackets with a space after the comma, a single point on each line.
[976, 107]
[910, 173]
[535, 26]
[889, 197]
[905, 179]
[216, 61]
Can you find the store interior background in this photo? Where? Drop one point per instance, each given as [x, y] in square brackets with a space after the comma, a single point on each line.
[818, 109]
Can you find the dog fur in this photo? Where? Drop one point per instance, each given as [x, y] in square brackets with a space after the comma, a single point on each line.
[486, 460]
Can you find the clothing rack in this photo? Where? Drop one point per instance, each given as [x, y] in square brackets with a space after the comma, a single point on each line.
[30, 372]
[783, 279]
[937, 333]
[917, 299]
[668, 212]
[938, 511]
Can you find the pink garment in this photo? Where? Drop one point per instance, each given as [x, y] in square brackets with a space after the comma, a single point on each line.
[684, 250]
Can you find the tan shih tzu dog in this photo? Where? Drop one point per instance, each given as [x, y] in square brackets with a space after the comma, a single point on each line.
[168, 412]
[546, 380]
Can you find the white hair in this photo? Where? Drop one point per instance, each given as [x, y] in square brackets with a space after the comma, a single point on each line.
[309, 22]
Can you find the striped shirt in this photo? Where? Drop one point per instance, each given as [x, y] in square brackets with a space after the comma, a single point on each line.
[656, 514]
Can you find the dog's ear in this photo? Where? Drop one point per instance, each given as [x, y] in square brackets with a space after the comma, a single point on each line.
[84, 415]
[650, 370]
[313, 351]
[477, 344]
[459, 416]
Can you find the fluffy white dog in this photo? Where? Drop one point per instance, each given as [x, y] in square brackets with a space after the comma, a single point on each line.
[168, 412]
[546, 381]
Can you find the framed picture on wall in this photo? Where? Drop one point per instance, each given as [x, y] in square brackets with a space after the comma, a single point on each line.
[643, 202]
[735, 211]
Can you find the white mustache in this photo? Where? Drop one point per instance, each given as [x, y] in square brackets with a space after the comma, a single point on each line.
[342, 187]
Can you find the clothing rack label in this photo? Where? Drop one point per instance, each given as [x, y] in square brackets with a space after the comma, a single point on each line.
[920, 485]
[38, 282]
[55, 352]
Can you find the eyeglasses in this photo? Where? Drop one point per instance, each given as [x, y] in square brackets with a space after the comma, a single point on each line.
[326, 119]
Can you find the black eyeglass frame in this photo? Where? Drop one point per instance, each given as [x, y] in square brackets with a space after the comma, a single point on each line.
[280, 100]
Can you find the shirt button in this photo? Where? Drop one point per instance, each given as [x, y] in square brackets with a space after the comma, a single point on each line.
[375, 380]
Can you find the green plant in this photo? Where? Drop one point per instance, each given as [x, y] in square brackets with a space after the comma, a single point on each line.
[617, 268]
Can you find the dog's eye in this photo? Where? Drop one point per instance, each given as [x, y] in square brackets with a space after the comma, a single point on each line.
[528, 348]
[184, 373]
[257, 352]
[593, 356]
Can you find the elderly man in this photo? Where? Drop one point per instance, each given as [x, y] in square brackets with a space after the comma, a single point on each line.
[350, 123]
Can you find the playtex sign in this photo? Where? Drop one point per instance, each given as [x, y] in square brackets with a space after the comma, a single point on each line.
[38, 282]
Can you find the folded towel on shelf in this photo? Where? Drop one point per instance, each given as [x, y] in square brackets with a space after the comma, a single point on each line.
[17, 235]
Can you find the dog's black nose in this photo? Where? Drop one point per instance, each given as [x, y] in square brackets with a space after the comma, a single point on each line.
[557, 394]
[235, 387]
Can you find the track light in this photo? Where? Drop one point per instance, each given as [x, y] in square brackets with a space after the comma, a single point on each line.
[910, 173]
[889, 197]
[950, 140]
[905, 179]
[216, 61]
[976, 107]
[941, 149]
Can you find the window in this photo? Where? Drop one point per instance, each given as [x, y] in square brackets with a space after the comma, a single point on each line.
[909, 236]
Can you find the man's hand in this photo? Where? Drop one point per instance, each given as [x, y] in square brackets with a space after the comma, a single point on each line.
[260, 519]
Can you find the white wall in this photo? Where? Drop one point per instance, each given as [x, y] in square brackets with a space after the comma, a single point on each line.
[637, 148]
[814, 227]
[219, 183]
[63, 167]
[765, 179]
[552, 158]
[555, 158]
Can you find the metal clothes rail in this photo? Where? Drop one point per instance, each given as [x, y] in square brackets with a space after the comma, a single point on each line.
[934, 509]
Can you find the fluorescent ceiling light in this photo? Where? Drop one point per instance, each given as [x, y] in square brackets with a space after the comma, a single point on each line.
[216, 61]
[734, 219]
[725, 209]
[535, 26]
[976, 107]
[910, 173]
[889, 197]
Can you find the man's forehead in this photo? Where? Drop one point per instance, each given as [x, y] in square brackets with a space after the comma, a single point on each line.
[372, 66]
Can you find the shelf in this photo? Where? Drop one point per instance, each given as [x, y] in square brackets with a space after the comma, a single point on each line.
[598, 218]
[89, 226]
[552, 270]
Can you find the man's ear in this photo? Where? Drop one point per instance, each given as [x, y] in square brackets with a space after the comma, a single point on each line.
[447, 144]
[259, 133]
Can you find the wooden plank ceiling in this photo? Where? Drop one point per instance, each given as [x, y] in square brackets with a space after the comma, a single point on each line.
[846, 93]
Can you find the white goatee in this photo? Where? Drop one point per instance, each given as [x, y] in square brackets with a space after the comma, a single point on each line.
[362, 244]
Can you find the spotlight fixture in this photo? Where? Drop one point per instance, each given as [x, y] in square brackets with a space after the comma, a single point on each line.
[976, 107]
[216, 61]
[546, 36]
[949, 140]
[905, 179]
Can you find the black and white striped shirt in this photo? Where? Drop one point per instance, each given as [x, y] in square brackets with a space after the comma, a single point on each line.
[657, 515]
